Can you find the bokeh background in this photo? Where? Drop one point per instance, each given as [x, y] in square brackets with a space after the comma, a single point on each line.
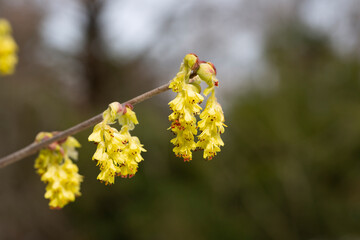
[289, 85]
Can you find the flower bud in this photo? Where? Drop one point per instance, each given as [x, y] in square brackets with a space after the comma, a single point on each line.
[191, 61]
[116, 107]
[207, 73]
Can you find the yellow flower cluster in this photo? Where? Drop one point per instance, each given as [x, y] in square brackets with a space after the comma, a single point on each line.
[185, 107]
[58, 171]
[212, 118]
[8, 49]
[118, 153]
[211, 126]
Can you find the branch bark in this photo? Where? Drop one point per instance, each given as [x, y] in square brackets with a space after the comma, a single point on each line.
[34, 147]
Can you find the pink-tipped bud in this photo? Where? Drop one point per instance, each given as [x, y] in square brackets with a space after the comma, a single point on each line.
[193, 54]
[212, 66]
[116, 107]
[41, 136]
[53, 146]
[61, 141]
[207, 73]
[120, 109]
[128, 105]
[62, 152]
[191, 60]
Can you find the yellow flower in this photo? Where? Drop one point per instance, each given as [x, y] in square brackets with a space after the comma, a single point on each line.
[112, 113]
[4, 27]
[117, 153]
[98, 133]
[63, 183]
[8, 48]
[211, 126]
[130, 154]
[69, 146]
[128, 119]
[43, 160]
[57, 170]
[189, 63]
[185, 106]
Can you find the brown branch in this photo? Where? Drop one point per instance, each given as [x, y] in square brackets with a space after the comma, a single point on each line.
[36, 146]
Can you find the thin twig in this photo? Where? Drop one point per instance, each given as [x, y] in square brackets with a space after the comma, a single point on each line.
[36, 146]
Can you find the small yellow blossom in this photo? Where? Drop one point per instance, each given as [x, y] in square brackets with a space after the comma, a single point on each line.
[128, 119]
[131, 154]
[189, 63]
[212, 118]
[8, 48]
[57, 170]
[185, 107]
[211, 126]
[63, 183]
[118, 153]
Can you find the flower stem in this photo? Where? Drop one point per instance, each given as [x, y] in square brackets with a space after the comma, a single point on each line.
[36, 146]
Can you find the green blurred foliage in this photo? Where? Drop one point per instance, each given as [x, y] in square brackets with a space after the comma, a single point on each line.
[296, 170]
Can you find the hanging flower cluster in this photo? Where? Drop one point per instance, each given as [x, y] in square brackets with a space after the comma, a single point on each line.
[212, 118]
[185, 107]
[118, 153]
[58, 171]
[8, 48]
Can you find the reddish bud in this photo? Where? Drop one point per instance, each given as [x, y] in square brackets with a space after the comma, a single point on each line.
[53, 146]
[194, 54]
[212, 66]
[120, 108]
[61, 141]
[128, 105]
[62, 151]
[191, 60]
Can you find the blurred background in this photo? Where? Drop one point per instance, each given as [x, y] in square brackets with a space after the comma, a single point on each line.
[289, 85]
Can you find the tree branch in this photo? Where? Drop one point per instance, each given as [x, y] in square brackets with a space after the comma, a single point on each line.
[34, 147]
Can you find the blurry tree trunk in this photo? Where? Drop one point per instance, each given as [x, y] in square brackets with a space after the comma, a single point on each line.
[91, 56]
